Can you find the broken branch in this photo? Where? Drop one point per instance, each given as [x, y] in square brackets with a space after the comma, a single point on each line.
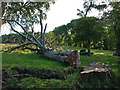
[39, 44]
[44, 34]
[20, 46]
[19, 33]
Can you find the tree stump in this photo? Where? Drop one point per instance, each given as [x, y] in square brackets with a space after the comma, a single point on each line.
[97, 75]
[96, 67]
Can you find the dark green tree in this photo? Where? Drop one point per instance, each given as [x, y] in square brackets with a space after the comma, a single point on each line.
[64, 34]
[61, 33]
[51, 40]
[88, 29]
[109, 39]
[112, 18]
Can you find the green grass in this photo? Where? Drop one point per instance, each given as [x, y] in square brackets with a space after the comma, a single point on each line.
[48, 83]
[105, 56]
[111, 60]
[98, 56]
[30, 60]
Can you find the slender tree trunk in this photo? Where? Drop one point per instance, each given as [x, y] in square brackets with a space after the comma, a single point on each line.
[26, 38]
[105, 45]
[118, 44]
[118, 49]
[89, 53]
[84, 45]
[44, 35]
[75, 44]
[80, 44]
[117, 33]
[94, 44]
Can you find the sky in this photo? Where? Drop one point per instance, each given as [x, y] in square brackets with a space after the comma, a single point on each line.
[62, 12]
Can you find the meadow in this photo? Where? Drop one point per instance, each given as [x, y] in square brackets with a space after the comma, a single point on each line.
[34, 71]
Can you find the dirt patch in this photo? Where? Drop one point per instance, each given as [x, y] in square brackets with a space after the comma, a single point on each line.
[43, 73]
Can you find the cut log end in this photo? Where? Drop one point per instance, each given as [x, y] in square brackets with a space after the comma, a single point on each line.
[74, 59]
[98, 75]
[96, 67]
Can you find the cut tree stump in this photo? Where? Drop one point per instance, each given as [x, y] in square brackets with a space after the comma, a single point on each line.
[97, 75]
[96, 67]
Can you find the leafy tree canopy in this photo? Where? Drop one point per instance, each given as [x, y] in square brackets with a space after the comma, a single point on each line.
[88, 28]
[25, 13]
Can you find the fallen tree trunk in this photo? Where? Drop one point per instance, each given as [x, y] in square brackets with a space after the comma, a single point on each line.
[71, 57]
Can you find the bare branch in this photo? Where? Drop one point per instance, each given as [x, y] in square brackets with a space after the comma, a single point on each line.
[19, 33]
[88, 9]
[32, 49]
[44, 34]
[12, 20]
[19, 46]
[39, 44]
[32, 32]
[25, 4]
[41, 22]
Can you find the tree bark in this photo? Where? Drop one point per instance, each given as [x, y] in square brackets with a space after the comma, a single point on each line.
[44, 35]
[118, 49]
[41, 37]
[117, 33]
[105, 45]
[118, 43]
[80, 44]
[71, 57]
[89, 53]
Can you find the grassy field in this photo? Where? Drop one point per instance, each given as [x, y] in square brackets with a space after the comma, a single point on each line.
[64, 75]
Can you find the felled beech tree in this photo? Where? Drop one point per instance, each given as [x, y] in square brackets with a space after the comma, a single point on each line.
[71, 57]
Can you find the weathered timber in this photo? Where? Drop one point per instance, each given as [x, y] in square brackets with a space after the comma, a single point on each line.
[97, 75]
[72, 57]
[96, 67]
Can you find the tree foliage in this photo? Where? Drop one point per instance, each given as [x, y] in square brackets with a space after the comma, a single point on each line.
[112, 18]
[102, 32]
[88, 28]
[25, 13]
